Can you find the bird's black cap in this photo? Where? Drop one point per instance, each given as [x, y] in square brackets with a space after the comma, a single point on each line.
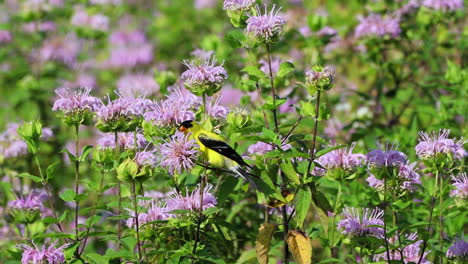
[187, 124]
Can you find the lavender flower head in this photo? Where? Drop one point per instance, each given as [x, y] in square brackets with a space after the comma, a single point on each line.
[129, 49]
[275, 64]
[411, 253]
[122, 114]
[60, 49]
[319, 78]
[460, 182]
[135, 85]
[267, 27]
[377, 26]
[342, 158]
[214, 110]
[434, 145]
[5, 36]
[407, 179]
[155, 212]
[191, 201]
[45, 254]
[444, 5]
[356, 225]
[33, 202]
[238, 5]
[386, 157]
[204, 77]
[179, 154]
[458, 250]
[76, 106]
[261, 148]
[124, 140]
[145, 158]
[97, 22]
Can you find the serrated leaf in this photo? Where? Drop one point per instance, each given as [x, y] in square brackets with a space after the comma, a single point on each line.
[262, 243]
[226, 188]
[30, 176]
[285, 68]
[50, 170]
[306, 109]
[269, 134]
[321, 201]
[271, 105]
[68, 195]
[302, 203]
[235, 38]
[288, 169]
[300, 247]
[254, 71]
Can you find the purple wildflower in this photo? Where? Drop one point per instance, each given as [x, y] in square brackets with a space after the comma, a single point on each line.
[145, 158]
[174, 110]
[45, 254]
[11, 144]
[214, 110]
[72, 101]
[135, 85]
[155, 212]
[376, 25]
[261, 148]
[275, 64]
[320, 78]
[179, 154]
[458, 250]
[204, 77]
[5, 36]
[460, 182]
[444, 5]
[355, 224]
[432, 145]
[238, 5]
[327, 31]
[122, 114]
[33, 27]
[130, 49]
[288, 106]
[61, 49]
[266, 27]
[34, 201]
[411, 252]
[191, 201]
[97, 22]
[125, 140]
[387, 157]
[343, 158]
[407, 178]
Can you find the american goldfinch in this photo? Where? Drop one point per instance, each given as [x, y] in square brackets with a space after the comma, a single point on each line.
[216, 151]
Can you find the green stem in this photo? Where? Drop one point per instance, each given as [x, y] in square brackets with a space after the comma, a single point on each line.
[337, 203]
[314, 140]
[135, 205]
[77, 177]
[441, 208]
[200, 215]
[273, 92]
[384, 214]
[119, 224]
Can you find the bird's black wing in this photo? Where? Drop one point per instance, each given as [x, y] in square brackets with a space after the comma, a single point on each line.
[223, 149]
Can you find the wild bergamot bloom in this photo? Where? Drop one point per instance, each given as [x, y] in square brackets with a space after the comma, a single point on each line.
[362, 223]
[443, 5]
[179, 154]
[411, 252]
[205, 77]
[458, 251]
[76, 106]
[377, 26]
[27, 209]
[266, 27]
[435, 145]
[340, 162]
[191, 201]
[45, 254]
[460, 182]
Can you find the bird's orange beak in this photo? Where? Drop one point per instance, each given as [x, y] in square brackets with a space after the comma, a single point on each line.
[182, 129]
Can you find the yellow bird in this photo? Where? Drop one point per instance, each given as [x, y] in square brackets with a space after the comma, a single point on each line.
[216, 151]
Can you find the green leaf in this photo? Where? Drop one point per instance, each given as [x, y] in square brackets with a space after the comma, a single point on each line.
[324, 112]
[454, 74]
[288, 169]
[96, 258]
[254, 71]
[235, 38]
[50, 170]
[307, 109]
[68, 195]
[30, 176]
[85, 152]
[270, 105]
[70, 155]
[321, 201]
[285, 68]
[269, 134]
[226, 188]
[302, 201]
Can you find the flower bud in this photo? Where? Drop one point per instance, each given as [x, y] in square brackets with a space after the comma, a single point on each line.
[319, 79]
[31, 132]
[127, 170]
[26, 216]
[239, 118]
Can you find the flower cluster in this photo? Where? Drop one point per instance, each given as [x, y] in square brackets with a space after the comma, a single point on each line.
[129, 49]
[155, 212]
[460, 182]
[411, 253]
[378, 26]
[97, 22]
[124, 140]
[444, 5]
[355, 224]
[76, 106]
[266, 27]
[204, 78]
[191, 202]
[388, 157]
[135, 85]
[179, 154]
[458, 250]
[122, 114]
[46, 254]
[343, 159]
[60, 49]
[238, 5]
[5, 36]
[29, 208]
[408, 179]
[261, 148]
[438, 145]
